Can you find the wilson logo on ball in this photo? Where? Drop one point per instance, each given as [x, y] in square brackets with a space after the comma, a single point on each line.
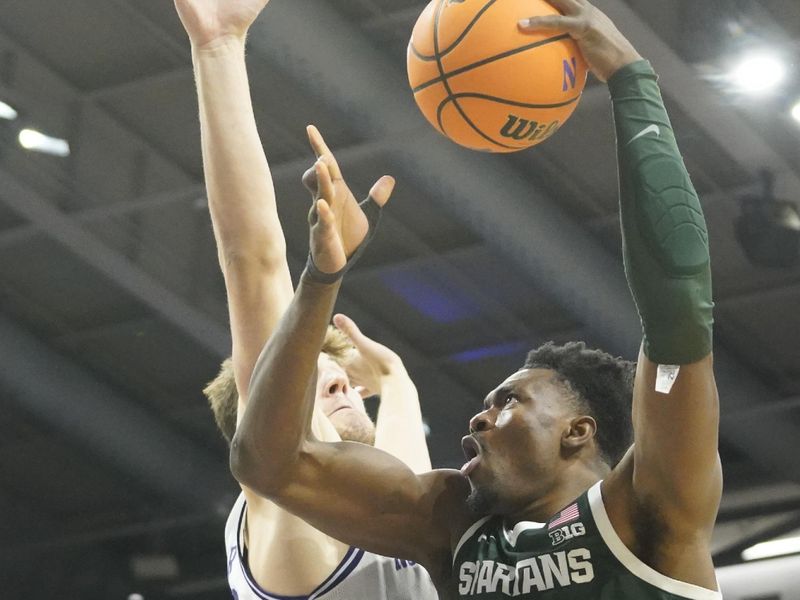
[517, 128]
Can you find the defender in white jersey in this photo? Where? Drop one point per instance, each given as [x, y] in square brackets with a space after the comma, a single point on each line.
[359, 575]
[274, 550]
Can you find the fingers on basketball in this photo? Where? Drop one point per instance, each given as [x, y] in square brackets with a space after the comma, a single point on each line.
[559, 22]
[568, 7]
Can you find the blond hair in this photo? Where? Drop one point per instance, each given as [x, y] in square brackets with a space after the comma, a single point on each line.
[223, 397]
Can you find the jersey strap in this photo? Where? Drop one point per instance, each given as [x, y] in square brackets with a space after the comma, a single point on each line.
[468, 534]
[632, 563]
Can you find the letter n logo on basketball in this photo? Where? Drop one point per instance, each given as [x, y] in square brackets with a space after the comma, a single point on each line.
[570, 74]
[517, 128]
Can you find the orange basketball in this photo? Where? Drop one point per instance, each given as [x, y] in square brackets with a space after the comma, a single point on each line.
[486, 85]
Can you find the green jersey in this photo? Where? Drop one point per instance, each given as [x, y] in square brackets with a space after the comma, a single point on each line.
[576, 555]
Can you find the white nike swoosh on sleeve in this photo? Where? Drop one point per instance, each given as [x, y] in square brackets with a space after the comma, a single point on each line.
[652, 128]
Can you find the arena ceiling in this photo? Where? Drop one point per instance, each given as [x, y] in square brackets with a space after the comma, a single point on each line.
[113, 479]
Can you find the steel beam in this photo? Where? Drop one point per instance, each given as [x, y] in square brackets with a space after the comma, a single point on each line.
[492, 199]
[95, 416]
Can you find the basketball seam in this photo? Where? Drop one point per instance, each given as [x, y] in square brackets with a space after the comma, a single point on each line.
[453, 98]
[443, 104]
[464, 116]
[457, 41]
[485, 61]
[512, 102]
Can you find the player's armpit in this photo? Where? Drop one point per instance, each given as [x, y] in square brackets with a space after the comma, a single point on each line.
[367, 498]
[675, 454]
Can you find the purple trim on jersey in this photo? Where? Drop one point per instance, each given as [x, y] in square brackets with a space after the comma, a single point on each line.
[328, 585]
[350, 561]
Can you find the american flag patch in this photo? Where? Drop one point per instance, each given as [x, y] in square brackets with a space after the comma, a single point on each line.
[570, 513]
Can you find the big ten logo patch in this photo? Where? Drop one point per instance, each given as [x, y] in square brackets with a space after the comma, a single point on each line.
[566, 533]
[518, 128]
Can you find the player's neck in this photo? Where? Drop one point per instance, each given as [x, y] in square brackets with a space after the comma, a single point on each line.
[569, 484]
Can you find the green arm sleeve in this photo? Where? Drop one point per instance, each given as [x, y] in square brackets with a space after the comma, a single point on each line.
[665, 240]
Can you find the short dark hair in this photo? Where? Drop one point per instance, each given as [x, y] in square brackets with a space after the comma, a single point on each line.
[603, 385]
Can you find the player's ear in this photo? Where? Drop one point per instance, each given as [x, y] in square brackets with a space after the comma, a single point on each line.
[580, 432]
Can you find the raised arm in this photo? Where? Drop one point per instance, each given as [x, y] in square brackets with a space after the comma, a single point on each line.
[668, 268]
[399, 429]
[351, 491]
[241, 198]
[673, 474]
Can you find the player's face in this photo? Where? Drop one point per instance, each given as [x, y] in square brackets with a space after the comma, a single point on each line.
[341, 403]
[514, 451]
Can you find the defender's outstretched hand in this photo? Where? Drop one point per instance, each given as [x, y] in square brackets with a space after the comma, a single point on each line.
[207, 21]
[605, 49]
[369, 361]
[338, 223]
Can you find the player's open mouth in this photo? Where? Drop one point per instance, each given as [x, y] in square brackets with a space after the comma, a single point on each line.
[472, 452]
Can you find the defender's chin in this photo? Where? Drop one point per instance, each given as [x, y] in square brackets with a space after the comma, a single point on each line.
[353, 426]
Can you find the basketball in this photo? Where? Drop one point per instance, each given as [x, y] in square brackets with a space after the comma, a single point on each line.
[486, 85]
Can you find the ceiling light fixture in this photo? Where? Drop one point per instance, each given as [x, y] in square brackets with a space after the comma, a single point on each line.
[758, 73]
[772, 548]
[36, 141]
[7, 112]
[796, 112]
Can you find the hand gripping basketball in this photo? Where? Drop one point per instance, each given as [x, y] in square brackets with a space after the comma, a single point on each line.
[341, 227]
[486, 84]
[604, 48]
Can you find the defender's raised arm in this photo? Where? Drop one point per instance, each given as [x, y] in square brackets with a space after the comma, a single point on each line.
[241, 198]
[351, 491]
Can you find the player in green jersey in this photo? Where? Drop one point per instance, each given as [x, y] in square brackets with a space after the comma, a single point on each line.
[567, 507]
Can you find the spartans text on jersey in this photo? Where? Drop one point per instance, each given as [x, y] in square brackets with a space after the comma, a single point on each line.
[538, 573]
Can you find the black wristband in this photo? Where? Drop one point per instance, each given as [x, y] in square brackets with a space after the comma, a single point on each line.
[372, 210]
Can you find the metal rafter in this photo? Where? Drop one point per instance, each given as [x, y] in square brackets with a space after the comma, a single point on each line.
[534, 231]
[90, 413]
[679, 80]
[116, 267]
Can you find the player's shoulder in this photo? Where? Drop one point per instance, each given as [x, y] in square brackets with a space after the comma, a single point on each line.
[446, 491]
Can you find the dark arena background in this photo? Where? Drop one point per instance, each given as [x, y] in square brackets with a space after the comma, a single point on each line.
[114, 481]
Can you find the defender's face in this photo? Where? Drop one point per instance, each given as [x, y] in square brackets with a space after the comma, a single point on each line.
[514, 449]
[341, 403]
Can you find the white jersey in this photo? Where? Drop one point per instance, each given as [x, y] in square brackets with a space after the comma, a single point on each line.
[359, 576]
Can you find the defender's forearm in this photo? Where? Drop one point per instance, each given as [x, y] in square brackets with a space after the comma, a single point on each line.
[238, 181]
[399, 428]
[277, 420]
[665, 240]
